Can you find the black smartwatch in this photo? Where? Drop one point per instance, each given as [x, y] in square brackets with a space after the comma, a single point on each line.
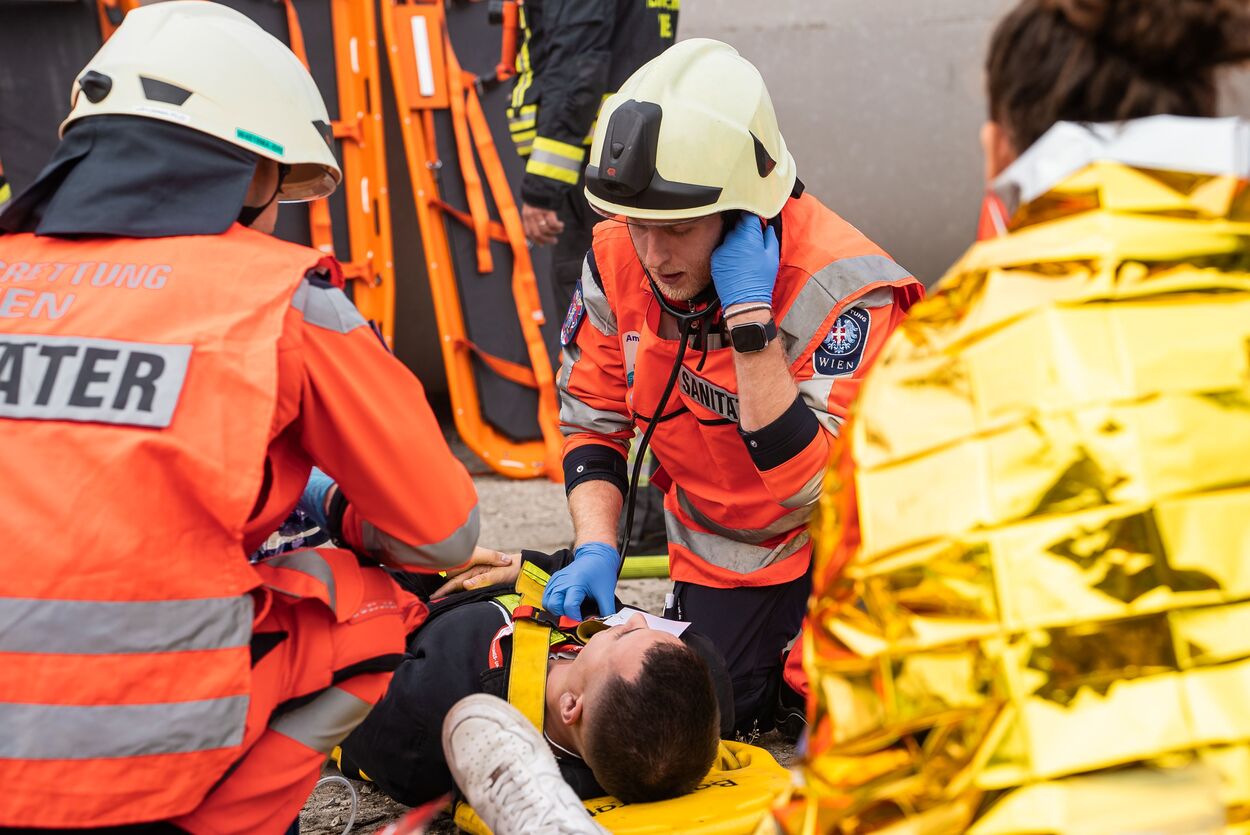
[752, 337]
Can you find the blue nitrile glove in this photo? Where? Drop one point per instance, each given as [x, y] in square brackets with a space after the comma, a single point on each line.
[313, 501]
[592, 572]
[744, 266]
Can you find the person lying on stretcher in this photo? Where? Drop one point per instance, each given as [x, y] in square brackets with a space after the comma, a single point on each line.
[629, 710]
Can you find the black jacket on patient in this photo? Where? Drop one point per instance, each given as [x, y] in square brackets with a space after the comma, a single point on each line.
[399, 744]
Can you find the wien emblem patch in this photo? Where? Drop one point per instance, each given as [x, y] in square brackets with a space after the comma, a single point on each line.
[843, 348]
[573, 319]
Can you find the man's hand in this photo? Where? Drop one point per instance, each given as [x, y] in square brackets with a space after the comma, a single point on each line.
[541, 225]
[591, 574]
[485, 568]
[744, 266]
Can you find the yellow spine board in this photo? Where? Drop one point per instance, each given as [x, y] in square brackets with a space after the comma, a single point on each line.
[736, 798]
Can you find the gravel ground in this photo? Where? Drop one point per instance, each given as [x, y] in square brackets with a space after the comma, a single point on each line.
[515, 514]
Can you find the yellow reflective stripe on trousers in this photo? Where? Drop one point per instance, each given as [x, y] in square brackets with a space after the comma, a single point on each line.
[525, 71]
[96, 627]
[556, 160]
[525, 117]
[88, 732]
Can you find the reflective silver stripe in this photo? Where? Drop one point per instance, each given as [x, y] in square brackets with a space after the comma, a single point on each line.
[568, 358]
[784, 525]
[598, 310]
[823, 292]
[447, 553]
[738, 557]
[815, 393]
[541, 155]
[325, 721]
[327, 307]
[90, 380]
[89, 627]
[74, 732]
[575, 415]
[1163, 143]
[808, 493]
[310, 563]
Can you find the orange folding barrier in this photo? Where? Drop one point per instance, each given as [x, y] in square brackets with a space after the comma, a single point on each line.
[363, 154]
[111, 14]
[427, 77]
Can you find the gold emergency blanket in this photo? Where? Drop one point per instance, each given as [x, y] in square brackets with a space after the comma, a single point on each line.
[1032, 606]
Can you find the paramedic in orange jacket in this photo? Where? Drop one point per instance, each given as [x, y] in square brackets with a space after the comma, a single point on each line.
[169, 374]
[710, 217]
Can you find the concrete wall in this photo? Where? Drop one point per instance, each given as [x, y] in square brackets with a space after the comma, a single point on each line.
[881, 102]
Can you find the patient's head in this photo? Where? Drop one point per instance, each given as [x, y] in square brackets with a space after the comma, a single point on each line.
[1105, 61]
[645, 712]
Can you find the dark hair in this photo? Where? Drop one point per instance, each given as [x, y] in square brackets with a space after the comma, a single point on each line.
[1110, 60]
[656, 737]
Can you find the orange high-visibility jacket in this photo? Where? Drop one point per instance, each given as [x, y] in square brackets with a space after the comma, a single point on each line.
[730, 521]
[161, 402]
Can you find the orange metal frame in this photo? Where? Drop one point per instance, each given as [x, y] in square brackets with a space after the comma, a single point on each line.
[448, 86]
[111, 14]
[365, 188]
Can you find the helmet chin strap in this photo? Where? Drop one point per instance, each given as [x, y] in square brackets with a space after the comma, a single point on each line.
[249, 214]
[704, 305]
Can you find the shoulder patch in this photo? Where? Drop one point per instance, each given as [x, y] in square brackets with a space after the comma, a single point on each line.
[843, 348]
[573, 319]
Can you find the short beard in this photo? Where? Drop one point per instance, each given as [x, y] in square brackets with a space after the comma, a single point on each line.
[685, 291]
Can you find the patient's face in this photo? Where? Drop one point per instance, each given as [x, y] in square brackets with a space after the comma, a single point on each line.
[618, 651]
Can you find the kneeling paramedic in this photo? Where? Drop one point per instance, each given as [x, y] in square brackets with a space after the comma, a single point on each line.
[168, 376]
[729, 316]
[629, 710]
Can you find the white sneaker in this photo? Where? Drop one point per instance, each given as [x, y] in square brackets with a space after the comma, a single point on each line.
[508, 774]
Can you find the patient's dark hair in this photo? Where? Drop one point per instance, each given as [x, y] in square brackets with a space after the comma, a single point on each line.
[1110, 60]
[656, 737]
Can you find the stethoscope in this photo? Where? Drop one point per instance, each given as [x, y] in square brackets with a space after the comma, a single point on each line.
[708, 305]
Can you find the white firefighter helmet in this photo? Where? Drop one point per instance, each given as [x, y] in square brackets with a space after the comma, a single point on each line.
[691, 133]
[212, 69]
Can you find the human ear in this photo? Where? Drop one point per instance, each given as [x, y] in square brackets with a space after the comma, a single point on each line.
[570, 708]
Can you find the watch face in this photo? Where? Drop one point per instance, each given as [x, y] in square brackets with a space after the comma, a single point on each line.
[749, 338]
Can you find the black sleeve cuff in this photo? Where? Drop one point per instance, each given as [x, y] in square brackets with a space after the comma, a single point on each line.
[594, 462]
[778, 442]
[543, 192]
[334, 514]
